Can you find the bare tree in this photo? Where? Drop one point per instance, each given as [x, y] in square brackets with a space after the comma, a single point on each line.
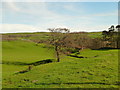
[81, 41]
[58, 36]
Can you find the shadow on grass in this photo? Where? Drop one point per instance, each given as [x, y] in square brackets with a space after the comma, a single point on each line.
[42, 62]
[69, 83]
[34, 63]
[105, 48]
[77, 56]
[29, 65]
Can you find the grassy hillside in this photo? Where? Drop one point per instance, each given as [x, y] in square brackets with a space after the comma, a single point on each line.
[25, 51]
[43, 35]
[95, 34]
[99, 68]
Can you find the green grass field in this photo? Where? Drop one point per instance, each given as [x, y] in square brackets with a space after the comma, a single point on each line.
[98, 70]
[95, 34]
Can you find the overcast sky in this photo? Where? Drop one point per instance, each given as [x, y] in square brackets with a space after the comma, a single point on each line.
[77, 16]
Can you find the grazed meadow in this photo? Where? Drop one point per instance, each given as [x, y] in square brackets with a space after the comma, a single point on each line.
[59, 44]
[99, 68]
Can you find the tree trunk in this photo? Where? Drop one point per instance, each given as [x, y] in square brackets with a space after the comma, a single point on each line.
[81, 47]
[57, 53]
